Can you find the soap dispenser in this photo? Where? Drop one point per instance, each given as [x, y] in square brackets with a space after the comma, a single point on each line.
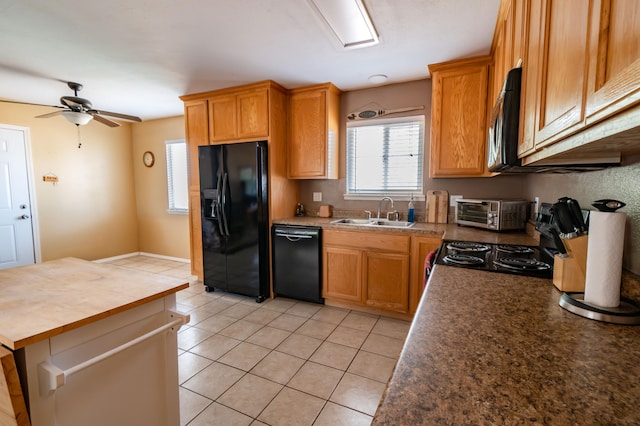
[411, 211]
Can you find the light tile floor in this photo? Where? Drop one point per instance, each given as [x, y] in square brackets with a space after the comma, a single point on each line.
[281, 362]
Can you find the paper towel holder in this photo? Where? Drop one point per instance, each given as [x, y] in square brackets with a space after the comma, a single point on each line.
[627, 313]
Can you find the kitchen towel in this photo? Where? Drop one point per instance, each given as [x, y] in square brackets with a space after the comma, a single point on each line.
[604, 259]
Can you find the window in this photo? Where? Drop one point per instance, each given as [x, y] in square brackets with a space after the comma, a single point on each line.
[177, 189]
[385, 157]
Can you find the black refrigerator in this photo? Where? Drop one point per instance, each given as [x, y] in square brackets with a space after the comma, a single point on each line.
[235, 218]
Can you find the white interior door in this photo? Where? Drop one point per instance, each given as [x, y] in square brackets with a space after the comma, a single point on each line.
[16, 223]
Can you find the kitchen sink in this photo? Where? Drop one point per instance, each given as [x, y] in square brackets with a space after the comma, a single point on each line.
[382, 223]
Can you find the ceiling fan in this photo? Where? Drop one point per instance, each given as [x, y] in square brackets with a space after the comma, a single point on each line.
[80, 111]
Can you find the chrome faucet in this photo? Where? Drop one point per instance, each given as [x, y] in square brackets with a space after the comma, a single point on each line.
[383, 199]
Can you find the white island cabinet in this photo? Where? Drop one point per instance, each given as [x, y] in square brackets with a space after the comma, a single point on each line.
[94, 344]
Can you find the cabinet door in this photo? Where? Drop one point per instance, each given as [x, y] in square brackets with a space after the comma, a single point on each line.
[530, 77]
[420, 248]
[197, 134]
[342, 274]
[497, 78]
[560, 110]
[308, 135]
[458, 119]
[195, 234]
[196, 129]
[223, 118]
[253, 114]
[614, 52]
[387, 281]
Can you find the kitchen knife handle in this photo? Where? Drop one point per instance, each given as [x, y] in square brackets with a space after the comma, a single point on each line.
[576, 214]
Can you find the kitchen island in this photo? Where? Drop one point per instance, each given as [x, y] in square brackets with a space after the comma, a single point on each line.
[88, 338]
[490, 348]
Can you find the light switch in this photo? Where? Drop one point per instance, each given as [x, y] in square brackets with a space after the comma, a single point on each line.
[317, 196]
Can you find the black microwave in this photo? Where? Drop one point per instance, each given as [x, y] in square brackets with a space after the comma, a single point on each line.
[502, 149]
[502, 143]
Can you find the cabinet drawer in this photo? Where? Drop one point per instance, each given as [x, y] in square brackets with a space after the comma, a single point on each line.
[364, 240]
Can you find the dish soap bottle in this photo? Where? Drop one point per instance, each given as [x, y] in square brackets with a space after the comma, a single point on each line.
[411, 211]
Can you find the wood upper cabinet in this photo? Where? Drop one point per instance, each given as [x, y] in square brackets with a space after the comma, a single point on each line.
[197, 134]
[459, 118]
[508, 45]
[530, 71]
[313, 132]
[614, 53]
[237, 116]
[564, 26]
[368, 269]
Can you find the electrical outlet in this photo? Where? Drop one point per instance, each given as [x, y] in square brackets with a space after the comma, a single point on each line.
[536, 206]
[452, 200]
[317, 196]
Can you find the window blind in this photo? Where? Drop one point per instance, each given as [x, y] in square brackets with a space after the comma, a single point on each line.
[385, 156]
[177, 187]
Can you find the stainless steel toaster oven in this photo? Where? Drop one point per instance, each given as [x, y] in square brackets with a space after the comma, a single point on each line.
[495, 215]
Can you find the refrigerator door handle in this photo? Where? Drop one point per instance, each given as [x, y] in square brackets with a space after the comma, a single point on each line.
[225, 179]
[215, 208]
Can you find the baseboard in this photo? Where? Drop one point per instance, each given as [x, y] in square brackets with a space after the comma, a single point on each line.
[141, 253]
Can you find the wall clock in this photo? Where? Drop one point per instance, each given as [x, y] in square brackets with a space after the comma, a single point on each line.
[148, 158]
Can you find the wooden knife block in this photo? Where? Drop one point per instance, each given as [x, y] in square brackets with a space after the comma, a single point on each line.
[569, 273]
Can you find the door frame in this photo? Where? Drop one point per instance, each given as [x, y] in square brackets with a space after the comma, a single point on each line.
[26, 137]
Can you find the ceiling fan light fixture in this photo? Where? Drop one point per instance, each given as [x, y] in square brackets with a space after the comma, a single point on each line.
[349, 21]
[77, 118]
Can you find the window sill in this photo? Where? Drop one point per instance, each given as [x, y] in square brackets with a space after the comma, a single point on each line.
[178, 211]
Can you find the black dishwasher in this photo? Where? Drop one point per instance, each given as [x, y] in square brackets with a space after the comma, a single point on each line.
[297, 262]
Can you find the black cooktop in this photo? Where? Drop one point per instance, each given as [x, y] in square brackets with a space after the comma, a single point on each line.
[505, 258]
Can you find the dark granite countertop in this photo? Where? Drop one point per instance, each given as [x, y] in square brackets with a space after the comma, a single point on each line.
[489, 348]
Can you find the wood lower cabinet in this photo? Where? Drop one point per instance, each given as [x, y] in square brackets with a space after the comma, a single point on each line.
[459, 118]
[421, 246]
[342, 272]
[367, 269]
[387, 281]
[314, 126]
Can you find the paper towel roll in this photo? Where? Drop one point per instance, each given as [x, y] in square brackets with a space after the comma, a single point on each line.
[604, 258]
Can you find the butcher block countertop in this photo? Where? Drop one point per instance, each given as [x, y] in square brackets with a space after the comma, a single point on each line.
[46, 299]
[489, 348]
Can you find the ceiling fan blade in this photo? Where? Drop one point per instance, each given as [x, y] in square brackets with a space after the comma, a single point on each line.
[116, 115]
[50, 114]
[103, 120]
[29, 103]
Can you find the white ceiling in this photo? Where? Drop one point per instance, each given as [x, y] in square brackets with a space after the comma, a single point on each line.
[137, 56]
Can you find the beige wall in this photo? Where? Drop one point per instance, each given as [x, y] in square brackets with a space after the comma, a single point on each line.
[618, 183]
[158, 231]
[410, 94]
[90, 213]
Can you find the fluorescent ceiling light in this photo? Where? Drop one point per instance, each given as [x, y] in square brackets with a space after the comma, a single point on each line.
[349, 22]
[77, 118]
